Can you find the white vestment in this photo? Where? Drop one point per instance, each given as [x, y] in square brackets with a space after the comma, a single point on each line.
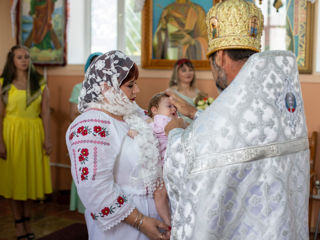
[241, 170]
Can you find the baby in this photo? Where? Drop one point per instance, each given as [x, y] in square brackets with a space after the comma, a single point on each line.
[161, 111]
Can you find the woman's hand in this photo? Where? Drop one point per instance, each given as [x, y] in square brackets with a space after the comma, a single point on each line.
[3, 151]
[150, 227]
[132, 133]
[47, 146]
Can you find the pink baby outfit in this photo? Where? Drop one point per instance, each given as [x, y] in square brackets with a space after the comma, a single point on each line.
[158, 125]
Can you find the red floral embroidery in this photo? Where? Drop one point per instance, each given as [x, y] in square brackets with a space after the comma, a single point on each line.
[71, 136]
[102, 134]
[100, 130]
[90, 120]
[110, 209]
[81, 158]
[105, 211]
[93, 216]
[80, 129]
[120, 200]
[85, 152]
[97, 129]
[85, 130]
[85, 171]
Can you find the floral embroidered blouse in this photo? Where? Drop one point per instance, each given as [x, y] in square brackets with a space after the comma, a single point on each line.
[103, 164]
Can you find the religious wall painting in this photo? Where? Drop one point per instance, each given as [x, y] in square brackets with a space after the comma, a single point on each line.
[299, 20]
[166, 35]
[173, 29]
[42, 28]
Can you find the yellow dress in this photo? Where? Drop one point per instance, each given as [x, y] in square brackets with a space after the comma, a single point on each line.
[25, 174]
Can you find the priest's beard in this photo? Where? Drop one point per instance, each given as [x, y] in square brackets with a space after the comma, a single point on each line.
[221, 80]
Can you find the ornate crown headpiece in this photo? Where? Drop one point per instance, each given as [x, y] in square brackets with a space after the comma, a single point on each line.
[234, 24]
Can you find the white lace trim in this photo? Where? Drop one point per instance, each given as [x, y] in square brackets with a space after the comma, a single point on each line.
[148, 167]
[118, 103]
[120, 219]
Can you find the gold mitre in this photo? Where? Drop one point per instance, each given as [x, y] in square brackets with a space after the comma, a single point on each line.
[234, 24]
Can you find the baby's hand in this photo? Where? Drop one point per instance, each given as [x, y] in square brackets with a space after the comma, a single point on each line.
[132, 133]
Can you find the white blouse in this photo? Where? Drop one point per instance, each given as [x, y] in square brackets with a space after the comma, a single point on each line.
[103, 165]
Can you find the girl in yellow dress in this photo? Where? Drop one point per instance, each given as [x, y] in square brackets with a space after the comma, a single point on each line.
[24, 137]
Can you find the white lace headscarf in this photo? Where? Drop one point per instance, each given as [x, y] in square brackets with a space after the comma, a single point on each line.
[101, 89]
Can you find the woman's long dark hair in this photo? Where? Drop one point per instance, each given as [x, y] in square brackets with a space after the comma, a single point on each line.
[9, 72]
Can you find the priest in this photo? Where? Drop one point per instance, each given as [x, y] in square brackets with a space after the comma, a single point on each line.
[241, 169]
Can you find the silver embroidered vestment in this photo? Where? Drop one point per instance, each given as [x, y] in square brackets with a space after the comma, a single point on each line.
[241, 170]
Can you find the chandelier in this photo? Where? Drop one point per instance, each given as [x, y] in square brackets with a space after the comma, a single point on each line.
[277, 4]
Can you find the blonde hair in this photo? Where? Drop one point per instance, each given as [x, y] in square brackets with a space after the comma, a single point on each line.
[179, 64]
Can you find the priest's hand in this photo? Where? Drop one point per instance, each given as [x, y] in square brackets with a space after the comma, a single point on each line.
[175, 123]
[182, 106]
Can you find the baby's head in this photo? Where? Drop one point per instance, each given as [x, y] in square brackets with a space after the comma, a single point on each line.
[160, 104]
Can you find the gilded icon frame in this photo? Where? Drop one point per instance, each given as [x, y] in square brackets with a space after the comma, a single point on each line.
[304, 60]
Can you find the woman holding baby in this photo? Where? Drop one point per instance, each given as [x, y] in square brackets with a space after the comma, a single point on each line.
[116, 174]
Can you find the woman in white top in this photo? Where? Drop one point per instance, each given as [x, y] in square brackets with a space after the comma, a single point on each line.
[115, 175]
